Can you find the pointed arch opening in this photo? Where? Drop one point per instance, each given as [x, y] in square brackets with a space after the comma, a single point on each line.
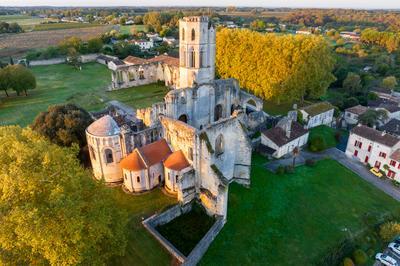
[219, 145]
[193, 34]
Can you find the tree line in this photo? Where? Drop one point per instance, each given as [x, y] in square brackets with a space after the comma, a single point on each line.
[388, 40]
[10, 27]
[280, 68]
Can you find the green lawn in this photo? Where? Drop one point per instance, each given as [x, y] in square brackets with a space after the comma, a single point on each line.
[294, 219]
[326, 133]
[127, 29]
[185, 231]
[62, 83]
[143, 248]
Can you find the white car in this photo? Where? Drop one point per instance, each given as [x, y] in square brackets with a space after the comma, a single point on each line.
[385, 259]
[395, 248]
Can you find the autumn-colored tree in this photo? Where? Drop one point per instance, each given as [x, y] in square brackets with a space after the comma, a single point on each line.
[389, 230]
[282, 68]
[52, 211]
[389, 82]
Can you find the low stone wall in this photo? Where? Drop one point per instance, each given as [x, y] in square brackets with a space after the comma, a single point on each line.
[54, 61]
[197, 253]
[201, 247]
[86, 58]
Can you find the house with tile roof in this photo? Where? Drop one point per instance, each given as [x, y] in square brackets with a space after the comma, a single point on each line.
[318, 114]
[283, 138]
[376, 149]
[352, 114]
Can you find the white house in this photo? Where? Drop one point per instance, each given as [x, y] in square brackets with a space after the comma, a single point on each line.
[144, 45]
[352, 114]
[283, 138]
[376, 148]
[318, 114]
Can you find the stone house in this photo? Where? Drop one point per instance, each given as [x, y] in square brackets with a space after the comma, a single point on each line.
[318, 114]
[375, 148]
[283, 138]
[351, 114]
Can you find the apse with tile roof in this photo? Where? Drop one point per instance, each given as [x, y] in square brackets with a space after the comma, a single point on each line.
[143, 168]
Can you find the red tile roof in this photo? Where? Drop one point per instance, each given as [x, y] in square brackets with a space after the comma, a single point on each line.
[176, 161]
[166, 59]
[155, 152]
[133, 162]
[134, 60]
[146, 156]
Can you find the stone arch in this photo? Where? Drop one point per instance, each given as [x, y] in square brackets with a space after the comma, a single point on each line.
[219, 145]
[183, 118]
[193, 34]
[108, 153]
[218, 112]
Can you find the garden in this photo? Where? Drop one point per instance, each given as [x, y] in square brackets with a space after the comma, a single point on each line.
[312, 216]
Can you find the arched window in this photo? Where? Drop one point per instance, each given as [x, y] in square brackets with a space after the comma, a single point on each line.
[138, 179]
[109, 155]
[193, 35]
[92, 153]
[218, 112]
[176, 179]
[219, 145]
[183, 34]
[201, 59]
[141, 74]
[192, 58]
[183, 118]
[183, 100]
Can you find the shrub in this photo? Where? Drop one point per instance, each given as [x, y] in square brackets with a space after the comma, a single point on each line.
[348, 262]
[317, 143]
[280, 170]
[389, 230]
[360, 257]
[310, 162]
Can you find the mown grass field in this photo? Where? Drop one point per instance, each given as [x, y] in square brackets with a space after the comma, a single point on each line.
[127, 29]
[62, 83]
[294, 219]
[63, 26]
[326, 133]
[143, 248]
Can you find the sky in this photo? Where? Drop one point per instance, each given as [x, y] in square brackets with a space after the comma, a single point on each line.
[359, 4]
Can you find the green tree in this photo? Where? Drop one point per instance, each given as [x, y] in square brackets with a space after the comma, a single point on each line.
[373, 117]
[18, 78]
[138, 20]
[5, 83]
[352, 83]
[389, 82]
[52, 211]
[64, 125]
[95, 45]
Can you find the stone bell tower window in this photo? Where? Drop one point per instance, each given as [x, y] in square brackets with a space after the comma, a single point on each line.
[109, 155]
[183, 34]
[193, 34]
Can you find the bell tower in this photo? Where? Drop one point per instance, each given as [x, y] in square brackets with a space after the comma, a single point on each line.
[196, 51]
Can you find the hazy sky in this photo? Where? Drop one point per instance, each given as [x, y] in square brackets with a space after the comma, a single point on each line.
[360, 4]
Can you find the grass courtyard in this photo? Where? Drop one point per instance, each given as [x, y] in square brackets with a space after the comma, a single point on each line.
[294, 219]
[142, 248]
[62, 83]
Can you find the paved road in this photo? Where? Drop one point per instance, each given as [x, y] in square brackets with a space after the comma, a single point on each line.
[355, 166]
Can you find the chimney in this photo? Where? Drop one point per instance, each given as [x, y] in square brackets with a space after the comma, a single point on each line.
[289, 129]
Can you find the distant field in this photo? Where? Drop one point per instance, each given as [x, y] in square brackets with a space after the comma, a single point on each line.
[21, 19]
[62, 26]
[18, 44]
[127, 29]
[62, 83]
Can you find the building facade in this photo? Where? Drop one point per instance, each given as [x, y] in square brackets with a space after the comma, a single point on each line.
[318, 114]
[376, 149]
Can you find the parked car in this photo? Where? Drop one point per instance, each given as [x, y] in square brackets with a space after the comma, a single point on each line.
[385, 259]
[375, 171]
[395, 248]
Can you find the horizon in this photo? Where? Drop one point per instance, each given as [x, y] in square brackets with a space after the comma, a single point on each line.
[308, 4]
